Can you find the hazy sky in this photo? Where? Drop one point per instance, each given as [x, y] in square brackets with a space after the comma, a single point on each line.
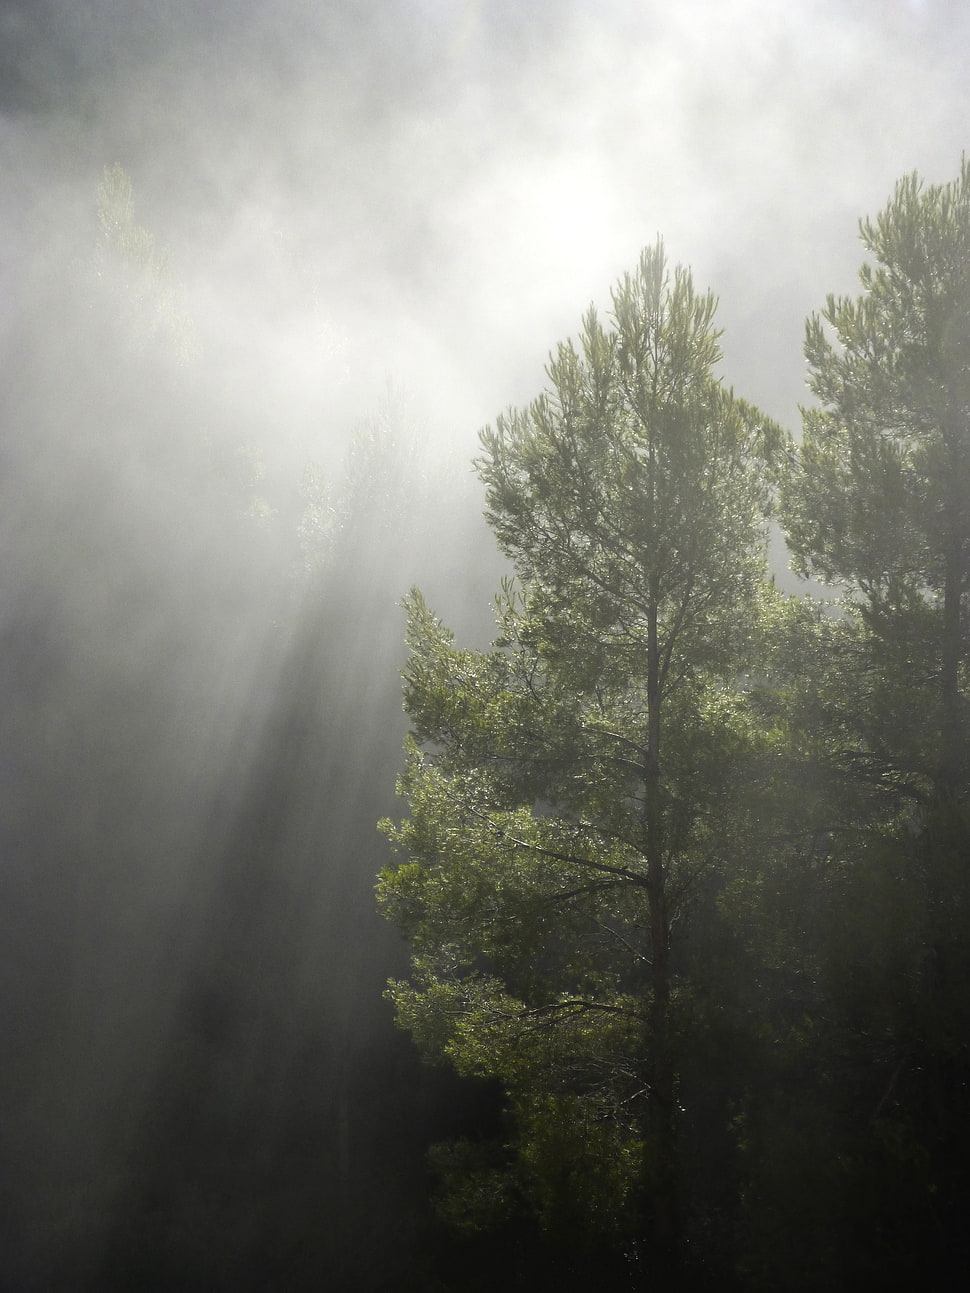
[434, 190]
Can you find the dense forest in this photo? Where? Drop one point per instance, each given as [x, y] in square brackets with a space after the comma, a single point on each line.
[681, 857]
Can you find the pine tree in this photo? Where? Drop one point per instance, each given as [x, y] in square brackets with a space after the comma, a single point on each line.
[568, 787]
[880, 499]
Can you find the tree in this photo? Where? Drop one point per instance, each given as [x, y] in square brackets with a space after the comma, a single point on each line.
[568, 787]
[880, 498]
[129, 260]
[844, 987]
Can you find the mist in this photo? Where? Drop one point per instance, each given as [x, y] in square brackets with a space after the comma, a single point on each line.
[371, 224]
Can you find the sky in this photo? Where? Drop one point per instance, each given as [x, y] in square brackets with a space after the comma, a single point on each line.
[431, 192]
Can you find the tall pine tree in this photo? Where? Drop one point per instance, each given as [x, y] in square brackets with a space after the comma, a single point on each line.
[568, 787]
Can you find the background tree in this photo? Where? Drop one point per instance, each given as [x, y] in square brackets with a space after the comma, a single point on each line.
[880, 498]
[858, 1168]
[564, 786]
[129, 262]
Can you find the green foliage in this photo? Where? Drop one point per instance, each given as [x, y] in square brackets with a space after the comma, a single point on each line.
[629, 485]
[319, 521]
[552, 842]
[389, 481]
[891, 370]
[685, 862]
[878, 499]
[129, 261]
[477, 1188]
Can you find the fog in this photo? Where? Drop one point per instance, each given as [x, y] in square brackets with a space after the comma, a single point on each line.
[377, 219]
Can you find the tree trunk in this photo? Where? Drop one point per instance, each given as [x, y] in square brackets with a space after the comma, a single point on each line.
[660, 1165]
[950, 773]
